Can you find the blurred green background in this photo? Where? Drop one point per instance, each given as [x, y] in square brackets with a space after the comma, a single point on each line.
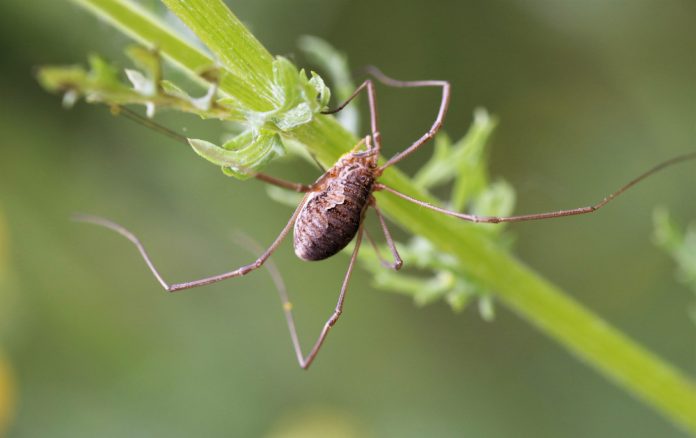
[588, 96]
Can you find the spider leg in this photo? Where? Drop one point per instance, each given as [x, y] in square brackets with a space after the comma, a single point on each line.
[545, 215]
[195, 283]
[296, 187]
[384, 262]
[437, 124]
[372, 102]
[398, 263]
[282, 293]
[307, 361]
[149, 123]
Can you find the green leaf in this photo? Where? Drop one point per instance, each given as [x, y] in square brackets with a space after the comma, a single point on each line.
[286, 83]
[463, 162]
[94, 84]
[245, 154]
[469, 157]
[497, 199]
[147, 84]
[103, 73]
[102, 84]
[173, 90]
[323, 93]
[300, 97]
[458, 298]
[667, 234]
[61, 79]
[335, 65]
[333, 61]
[146, 60]
[440, 168]
[294, 117]
[486, 307]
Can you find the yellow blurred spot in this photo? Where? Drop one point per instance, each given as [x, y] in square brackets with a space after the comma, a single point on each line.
[6, 396]
[6, 379]
[287, 306]
[317, 422]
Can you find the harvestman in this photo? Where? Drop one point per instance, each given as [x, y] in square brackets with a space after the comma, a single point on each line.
[333, 208]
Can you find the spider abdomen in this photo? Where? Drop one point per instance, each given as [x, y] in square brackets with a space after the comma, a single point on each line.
[330, 217]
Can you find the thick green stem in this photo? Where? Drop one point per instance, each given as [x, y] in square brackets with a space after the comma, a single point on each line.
[583, 333]
[237, 50]
[248, 85]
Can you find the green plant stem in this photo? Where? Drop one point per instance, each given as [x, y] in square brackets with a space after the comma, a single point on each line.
[586, 335]
[251, 89]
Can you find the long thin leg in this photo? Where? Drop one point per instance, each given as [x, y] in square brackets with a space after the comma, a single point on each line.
[137, 118]
[195, 283]
[307, 361]
[297, 187]
[372, 103]
[545, 215]
[282, 292]
[398, 263]
[384, 262]
[444, 104]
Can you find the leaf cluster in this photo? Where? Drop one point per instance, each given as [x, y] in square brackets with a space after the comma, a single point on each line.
[464, 166]
[300, 97]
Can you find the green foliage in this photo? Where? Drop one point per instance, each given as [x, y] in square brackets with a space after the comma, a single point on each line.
[101, 83]
[464, 165]
[300, 97]
[681, 245]
[336, 66]
[464, 162]
[248, 150]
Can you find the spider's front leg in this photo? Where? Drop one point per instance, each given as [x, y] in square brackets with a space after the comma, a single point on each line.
[200, 282]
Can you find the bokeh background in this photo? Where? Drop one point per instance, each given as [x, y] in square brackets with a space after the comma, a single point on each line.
[588, 94]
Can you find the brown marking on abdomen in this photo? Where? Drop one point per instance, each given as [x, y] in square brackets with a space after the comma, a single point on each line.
[330, 218]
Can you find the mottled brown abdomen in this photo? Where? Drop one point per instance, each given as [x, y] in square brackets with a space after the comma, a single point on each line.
[330, 218]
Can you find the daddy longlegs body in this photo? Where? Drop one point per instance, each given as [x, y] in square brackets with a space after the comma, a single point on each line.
[333, 208]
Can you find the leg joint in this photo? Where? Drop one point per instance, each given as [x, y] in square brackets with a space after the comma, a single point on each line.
[334, 318]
